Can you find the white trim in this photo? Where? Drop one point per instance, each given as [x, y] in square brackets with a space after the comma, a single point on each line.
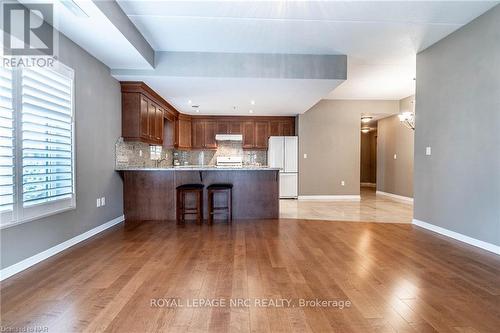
[368, 184]
[33, 260]
[455, 235]
[395, 196]
[330, 197]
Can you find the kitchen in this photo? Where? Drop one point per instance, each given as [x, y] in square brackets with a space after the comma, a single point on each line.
[162, 149]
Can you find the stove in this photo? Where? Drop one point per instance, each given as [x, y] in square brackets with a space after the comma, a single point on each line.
[229, 162]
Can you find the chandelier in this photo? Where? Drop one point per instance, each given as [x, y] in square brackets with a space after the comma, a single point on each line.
[407, 117]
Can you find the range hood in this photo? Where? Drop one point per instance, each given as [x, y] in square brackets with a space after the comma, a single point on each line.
[229, 137]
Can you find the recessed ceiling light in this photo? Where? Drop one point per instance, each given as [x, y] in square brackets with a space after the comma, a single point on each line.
[189, 102]
[250, 111]
[252, 102]
[366, 119]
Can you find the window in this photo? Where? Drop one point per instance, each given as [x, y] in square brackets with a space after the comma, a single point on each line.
[36, 143]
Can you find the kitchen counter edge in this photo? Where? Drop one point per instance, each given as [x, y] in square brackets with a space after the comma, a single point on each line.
[200, 169]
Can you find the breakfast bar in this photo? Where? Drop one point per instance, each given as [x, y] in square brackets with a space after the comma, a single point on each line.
[149, 193]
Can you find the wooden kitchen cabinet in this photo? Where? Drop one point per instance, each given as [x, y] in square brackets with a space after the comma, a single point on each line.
[223, 127]
[282, 127]
[198, 134]
[248, 134]
[142, 113]
[203, 134]
[183, 132]
[147, 117]
[210, 131]
[142, 119]
[261, 134]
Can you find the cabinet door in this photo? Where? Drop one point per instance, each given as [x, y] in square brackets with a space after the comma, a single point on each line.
[159, 125]
[209, 134]
[275, 128]
[198, 134]
[223, 127]
[235, 127]
[288, 128]
[261, 134]
[248, 134]
[183, 133]
[144, 120]
[152, 120]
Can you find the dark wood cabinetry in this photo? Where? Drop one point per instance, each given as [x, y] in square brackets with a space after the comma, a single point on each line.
[261, 134]
[147, 117]
[143, 113]
[183, 133]
[282, 127]
[248, 134]
[203, 134]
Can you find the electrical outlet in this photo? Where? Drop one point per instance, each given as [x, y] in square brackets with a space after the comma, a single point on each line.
[98, 203]
[342, 183]
[140, 152]
[103, 201]
[305, 155]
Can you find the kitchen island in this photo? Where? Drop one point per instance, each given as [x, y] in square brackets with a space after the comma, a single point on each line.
[149, 193]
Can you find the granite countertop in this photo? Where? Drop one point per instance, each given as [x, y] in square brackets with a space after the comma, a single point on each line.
[202, 168]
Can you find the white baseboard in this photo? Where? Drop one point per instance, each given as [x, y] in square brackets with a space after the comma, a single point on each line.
[460, 237]
[330, 197]
[33, 260]
[395, 196]
[368, 185]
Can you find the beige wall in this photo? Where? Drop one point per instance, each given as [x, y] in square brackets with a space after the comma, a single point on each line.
[329, 133]
[369, 157]
[395, 175]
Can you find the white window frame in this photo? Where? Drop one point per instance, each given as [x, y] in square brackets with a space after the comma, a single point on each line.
[21, 214]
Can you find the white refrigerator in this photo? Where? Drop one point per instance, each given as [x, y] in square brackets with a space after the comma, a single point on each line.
[283, 153]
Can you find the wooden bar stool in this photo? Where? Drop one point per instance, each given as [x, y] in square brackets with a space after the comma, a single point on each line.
[182, 210]
[212, 210]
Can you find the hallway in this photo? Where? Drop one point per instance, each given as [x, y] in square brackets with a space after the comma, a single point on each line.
[371, 208]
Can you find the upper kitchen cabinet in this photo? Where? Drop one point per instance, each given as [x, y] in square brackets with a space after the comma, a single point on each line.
[261, 134]
[143, 113]
[183, 129]
[282, 127]
[203, 134]
[248, 131]
[225, 126]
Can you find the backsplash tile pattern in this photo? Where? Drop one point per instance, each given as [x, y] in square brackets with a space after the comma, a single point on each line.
[128, 155]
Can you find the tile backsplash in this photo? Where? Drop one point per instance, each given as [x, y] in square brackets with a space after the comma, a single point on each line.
[137, 155]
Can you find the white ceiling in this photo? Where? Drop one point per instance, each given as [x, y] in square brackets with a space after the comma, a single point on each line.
[381, 39]
[219, 96]
[111, 46]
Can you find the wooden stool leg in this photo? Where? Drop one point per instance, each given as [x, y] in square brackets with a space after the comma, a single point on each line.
[199, 204]
[230, 205]
[178, 207]
[210, 207]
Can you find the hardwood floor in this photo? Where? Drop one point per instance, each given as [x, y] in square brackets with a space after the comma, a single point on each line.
[371, 208]
[399, 278]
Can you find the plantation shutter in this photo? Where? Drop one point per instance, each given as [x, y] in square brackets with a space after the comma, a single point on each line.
[6, 143]
[47, 137]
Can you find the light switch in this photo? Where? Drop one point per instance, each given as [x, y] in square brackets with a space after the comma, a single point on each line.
[98, 203]
[428, 151]
[103, 201]
[395, 156]
[342, 183]
[305, 155]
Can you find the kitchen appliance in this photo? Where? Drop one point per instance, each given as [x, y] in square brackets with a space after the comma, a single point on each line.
[229, 162]
[283, 153]
[229, 137]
